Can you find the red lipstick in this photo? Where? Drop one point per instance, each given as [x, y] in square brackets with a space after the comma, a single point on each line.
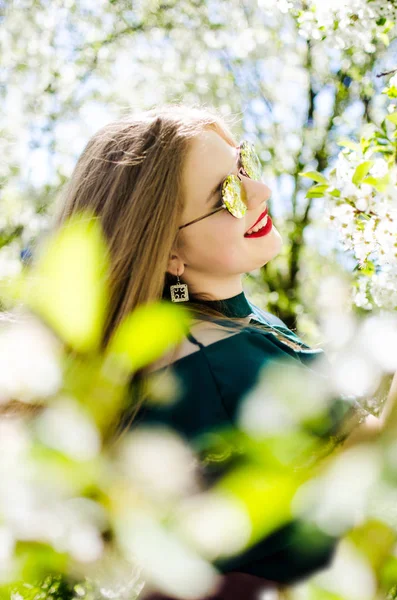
[258, 219]
[264, 231]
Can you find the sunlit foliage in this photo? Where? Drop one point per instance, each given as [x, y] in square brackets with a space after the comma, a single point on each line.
[309, 83]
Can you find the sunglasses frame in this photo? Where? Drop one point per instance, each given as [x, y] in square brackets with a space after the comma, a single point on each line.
[239, 148]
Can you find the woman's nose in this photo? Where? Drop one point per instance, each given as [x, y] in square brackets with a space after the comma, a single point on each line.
[254, 192]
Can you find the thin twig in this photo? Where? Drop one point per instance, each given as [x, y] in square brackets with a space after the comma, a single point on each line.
[386, 73]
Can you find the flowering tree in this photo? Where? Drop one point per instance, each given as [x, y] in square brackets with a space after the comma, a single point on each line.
[362, 205]
[361, 186]
[300, 79]
[248, 60]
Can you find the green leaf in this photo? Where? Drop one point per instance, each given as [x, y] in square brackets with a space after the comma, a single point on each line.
[379, 183]
[346, 143]
[368, 269]
[389, 573]
[392, 118]
[147, 333]
[315, 176]
[252, 486]
[319, 593]
[360, 224]
[383, 149]
[384, 38]
[383, 126]
[371, 181]
[389, 25]
[335, 193]
[361, 171]
[317, 191]
[391, 91]
[37, 560]
[365, 144]
[67, 286]
[382, 140]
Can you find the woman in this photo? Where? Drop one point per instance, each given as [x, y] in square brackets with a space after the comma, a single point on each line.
[185, 214]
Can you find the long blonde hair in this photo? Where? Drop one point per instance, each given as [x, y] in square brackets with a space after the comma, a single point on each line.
[130, 176]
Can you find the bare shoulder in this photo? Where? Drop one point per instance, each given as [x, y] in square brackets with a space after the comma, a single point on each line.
[207, 333]
[204, 332]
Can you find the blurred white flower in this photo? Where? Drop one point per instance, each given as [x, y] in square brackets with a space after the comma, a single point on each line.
[7, 545]
[14, 444]
[378, 336]
[73, 526]
[65, 426]
[10, 263]
[338, 499]
[277, 404]
[216, 524]
[263, 413]
[383, 288]
[166, 561]
[159, 462]
[337, 328]
[393, 81]
[111, 577]
[333, 295]
[379, 168]
[344, 170]
[354, 374]
[29, 361]
[350, 575]
[362, 203]
[382, 504]
[360, 296]
[85, 543]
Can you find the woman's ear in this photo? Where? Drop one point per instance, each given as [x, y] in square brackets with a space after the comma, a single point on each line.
[175, 265]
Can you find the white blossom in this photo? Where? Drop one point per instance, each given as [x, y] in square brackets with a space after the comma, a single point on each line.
[365, 218]
[344, 23]
[29, 361]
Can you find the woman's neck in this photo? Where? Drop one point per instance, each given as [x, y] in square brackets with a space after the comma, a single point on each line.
[215, 287]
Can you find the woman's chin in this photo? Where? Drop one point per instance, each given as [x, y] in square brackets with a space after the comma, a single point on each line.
[276, 237]
[274, 241]
[275, 246]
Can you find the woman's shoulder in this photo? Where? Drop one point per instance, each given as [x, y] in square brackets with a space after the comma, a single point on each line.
[201, 335]
[267, 317]
[222, 362]
[237, 341]
[197, 405]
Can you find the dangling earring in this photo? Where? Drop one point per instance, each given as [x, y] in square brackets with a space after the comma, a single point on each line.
[179, 292]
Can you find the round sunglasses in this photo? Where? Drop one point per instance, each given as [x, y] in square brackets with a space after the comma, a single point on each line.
[231, 187]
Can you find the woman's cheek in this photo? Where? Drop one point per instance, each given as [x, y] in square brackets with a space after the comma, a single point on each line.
[228, 257]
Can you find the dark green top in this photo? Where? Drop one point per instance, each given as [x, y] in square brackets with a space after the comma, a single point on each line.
[214, 380]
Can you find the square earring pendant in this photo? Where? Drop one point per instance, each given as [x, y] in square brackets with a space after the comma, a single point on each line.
[179, 292]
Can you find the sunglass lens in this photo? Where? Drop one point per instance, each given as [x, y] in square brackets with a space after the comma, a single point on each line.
[232, 191]
[250, 161]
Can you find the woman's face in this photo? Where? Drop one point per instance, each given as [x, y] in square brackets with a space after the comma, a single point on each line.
[213, 253]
